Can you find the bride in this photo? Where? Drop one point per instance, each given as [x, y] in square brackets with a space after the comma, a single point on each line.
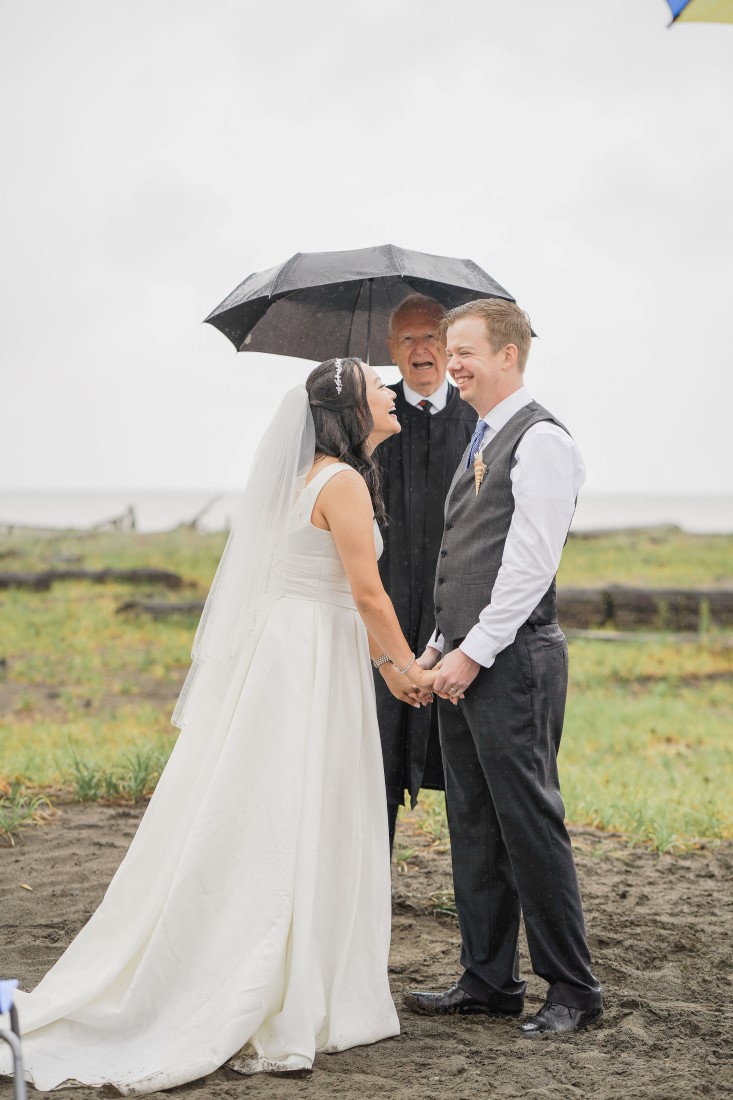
[250, 919]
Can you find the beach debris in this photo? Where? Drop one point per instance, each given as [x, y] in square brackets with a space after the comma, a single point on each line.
[657, 532]
[41, 582]
[160, 609]
[38, 582]
[583, 608]
[193, 524]
[670, 608]
[662, 609]
[127, 521]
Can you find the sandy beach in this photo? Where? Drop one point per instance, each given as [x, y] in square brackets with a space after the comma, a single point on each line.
[659, 929]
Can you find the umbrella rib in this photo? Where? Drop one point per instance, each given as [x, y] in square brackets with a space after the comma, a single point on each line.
[284, 270]
[360, 284]
[393, 251]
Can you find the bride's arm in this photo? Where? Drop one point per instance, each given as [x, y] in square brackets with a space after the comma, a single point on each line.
[345, 505]
[398, 684]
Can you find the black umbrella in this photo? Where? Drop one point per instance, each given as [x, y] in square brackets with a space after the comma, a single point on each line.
[322, 304]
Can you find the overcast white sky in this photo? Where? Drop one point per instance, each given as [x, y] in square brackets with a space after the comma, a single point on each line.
[158, 151]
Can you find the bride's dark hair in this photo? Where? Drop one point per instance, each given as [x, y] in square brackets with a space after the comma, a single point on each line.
[343, 421]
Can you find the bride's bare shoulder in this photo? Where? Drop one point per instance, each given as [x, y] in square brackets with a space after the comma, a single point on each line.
[346, 494]
[346, 475]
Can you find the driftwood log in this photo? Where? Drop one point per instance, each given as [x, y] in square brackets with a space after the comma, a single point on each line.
[613, 608]
[657, 532]
[160, 609]
[127, 521]
[673, 609]
[38, 582]
[41, 582]
[616, 607]
[583, 608]
[724, 641]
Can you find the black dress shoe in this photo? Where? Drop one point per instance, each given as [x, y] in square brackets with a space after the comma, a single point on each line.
[454, 1002]
[553, 1019]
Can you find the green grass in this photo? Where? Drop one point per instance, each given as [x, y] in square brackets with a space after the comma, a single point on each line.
[41, 753]
[72, 635]
[19, 809]
[432, 819]
[131, 776]
[661, 559]
[86, 694]
[646, 748]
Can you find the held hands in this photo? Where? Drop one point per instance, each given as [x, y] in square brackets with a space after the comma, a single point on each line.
[449, 677]
[454, 674]
[415, 695]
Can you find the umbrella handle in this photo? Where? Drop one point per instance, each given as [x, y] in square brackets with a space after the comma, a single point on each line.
[369, 320]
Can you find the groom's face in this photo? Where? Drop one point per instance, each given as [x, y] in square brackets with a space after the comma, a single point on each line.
[478, 371]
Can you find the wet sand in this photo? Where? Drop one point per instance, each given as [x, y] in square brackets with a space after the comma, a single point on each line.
[661, 933]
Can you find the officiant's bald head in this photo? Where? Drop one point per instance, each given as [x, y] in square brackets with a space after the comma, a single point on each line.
[415, 343]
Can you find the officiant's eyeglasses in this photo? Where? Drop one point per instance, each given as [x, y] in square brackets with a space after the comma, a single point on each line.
[427, 337]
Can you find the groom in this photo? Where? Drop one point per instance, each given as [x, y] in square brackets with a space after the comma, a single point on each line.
[504, 664]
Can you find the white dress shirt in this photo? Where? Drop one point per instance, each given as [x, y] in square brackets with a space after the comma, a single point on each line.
[437, 400]
[546, 477]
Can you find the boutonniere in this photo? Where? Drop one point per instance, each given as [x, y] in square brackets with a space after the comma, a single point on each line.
[479, 469]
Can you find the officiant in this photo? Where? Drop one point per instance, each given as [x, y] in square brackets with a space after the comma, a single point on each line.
[417, 467]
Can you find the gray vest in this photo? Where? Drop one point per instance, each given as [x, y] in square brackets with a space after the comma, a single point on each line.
[476, 528]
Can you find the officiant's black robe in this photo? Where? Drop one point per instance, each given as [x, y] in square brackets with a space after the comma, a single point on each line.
[417, 467]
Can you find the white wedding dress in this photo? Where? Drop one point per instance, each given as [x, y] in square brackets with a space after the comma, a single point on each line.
[250, 919]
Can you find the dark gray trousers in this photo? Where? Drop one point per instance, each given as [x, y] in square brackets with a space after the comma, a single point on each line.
[511, 851]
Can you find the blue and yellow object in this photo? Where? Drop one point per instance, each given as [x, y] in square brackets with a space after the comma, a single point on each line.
[701, 11]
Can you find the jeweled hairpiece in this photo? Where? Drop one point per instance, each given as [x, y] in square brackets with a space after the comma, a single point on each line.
[337, 376]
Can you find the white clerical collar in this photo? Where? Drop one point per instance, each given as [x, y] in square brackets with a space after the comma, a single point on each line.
[437, 399]
[502, 413]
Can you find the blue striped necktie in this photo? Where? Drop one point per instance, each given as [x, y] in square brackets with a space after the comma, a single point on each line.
[476, 439]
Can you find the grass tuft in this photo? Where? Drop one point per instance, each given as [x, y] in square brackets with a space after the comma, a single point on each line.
[444, 904]
[132, 777]
[19, 809]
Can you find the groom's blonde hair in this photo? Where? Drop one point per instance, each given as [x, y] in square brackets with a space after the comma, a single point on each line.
[505, 324]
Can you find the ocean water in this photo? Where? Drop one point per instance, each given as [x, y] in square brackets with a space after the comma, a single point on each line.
[161, 510]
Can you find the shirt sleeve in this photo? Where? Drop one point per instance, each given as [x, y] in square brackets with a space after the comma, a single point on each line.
[546, 477]
[437, 641]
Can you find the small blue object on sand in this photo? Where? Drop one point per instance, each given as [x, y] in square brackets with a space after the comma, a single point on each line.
[12, 1037]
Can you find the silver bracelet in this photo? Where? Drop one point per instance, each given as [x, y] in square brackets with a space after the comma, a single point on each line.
[383, 660]
[406, 669]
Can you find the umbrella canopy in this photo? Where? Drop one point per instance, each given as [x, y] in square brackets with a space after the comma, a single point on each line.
[322, 304]
[701, 11]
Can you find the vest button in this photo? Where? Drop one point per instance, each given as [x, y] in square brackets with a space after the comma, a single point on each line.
[438, 610]
[448, 526]
[441, 580]
[443, 553]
